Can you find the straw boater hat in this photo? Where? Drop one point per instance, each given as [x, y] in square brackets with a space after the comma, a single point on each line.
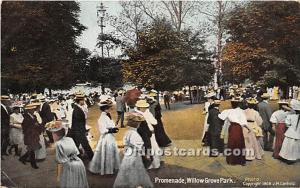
[106, 102]
[36, 103]
[153, 91]
[79, 96]
[283, 102]
[152, 94]
[30, 106]
[217, 102]
[134, 119]
[142, 104]
[210, 95]
[265, 96]
[17, 105]
[295, 104]
[55, 126]
[4, 97]
[236, 99]
[252, 101]
[150, 97]
[234, 87]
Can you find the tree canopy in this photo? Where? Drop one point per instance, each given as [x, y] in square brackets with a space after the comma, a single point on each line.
[38, 44]
[164, 57]
[264, 43]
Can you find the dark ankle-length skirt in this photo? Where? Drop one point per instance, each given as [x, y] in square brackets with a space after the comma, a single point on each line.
[236, 144]
[280, 130]
[161, 136]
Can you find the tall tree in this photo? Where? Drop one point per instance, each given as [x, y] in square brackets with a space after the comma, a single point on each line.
[129, 22]
[39, 44]
[215, 12]
[164, 57]
[274, 28]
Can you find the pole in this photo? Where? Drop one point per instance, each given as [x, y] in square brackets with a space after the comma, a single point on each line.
[102, 35]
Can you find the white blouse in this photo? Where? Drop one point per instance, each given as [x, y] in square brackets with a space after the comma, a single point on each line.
[279, 116]
[104, 123]
[293, 130]
[133, 139]
[236, 115]
[16, 120]
[149, 118]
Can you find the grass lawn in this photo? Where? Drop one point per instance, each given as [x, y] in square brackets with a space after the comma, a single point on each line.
[180, 124]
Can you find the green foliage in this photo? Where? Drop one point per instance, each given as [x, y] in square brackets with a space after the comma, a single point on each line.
[270, 32]
[38, 44]
[106, 71]
[164, 58]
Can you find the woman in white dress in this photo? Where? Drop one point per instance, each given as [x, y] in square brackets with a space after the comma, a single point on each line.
[106, 159]
[73, 170]
[290, 149]
[132, 172]
[252, 138]
[16, 136]
[156, 152]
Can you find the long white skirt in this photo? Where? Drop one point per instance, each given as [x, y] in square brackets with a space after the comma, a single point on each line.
[156, 153]
[106, 157]
[74, 175]
[290, 149]
[16, 136]
[132, 173]
[41, 153]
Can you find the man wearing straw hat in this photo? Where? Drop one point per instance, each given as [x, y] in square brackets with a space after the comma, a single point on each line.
[78, 129]
[120, 108]
[31, 130]
[265, 112]
[4, 124]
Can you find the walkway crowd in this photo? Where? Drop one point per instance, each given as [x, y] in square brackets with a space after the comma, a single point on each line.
[30, 123]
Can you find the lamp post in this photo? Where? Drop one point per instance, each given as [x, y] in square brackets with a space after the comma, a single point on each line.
[100, 15]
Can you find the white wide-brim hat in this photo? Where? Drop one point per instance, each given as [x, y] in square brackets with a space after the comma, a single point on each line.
[295, 104]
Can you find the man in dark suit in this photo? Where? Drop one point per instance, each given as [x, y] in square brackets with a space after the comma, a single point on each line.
[31, 130]
[5, 101]
[78, 129]
[146, 134]
[46, 116]
[265, 112]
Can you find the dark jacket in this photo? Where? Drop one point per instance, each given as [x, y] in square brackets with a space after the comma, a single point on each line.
[4, 121]
[145, 133]
[46, 113]
[78, 120]
[31, 130]
[215, 123]
[265, 112]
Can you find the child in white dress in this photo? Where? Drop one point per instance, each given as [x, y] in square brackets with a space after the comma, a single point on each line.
[132, 172]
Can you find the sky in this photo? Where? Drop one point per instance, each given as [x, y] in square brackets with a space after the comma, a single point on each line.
[88, 17]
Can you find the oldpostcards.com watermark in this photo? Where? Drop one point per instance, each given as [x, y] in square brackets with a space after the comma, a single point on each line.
[189, 152]
[193, 180]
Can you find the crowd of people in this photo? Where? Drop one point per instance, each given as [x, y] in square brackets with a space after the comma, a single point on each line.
[251, 127]
[37, 121]
[31, 123]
